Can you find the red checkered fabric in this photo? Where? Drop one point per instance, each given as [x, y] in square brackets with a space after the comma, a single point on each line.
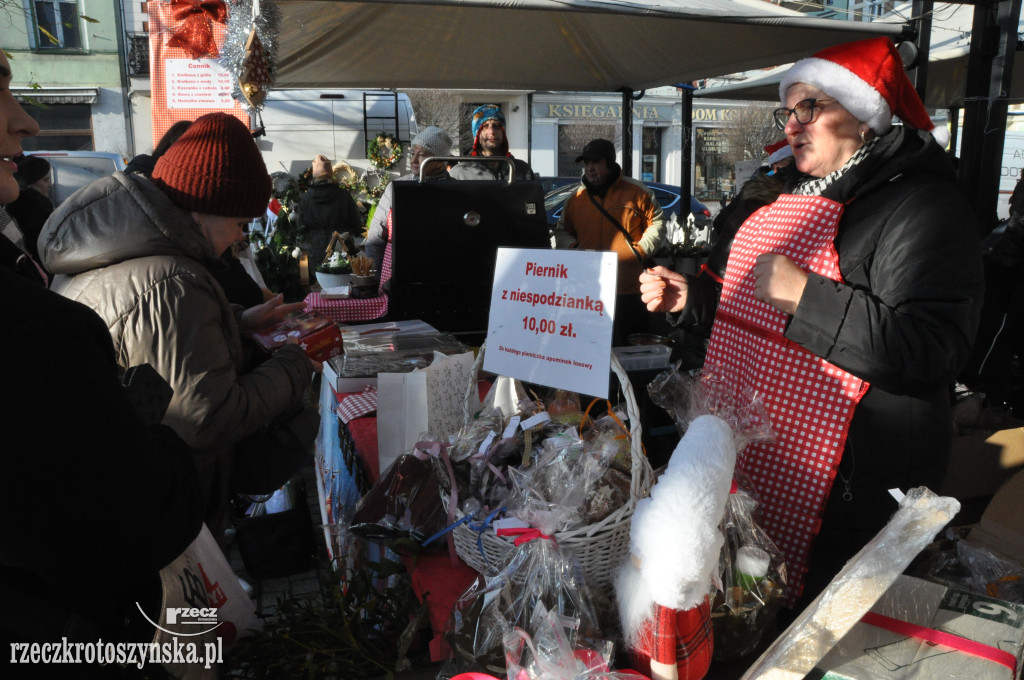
[385, 265]
[357, 404]
[161, 26]
[680, 637]
[348, 309]
[341, 310]
[809, 400]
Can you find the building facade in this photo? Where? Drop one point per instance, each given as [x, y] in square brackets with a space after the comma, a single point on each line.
[561, 123]
[68, 63]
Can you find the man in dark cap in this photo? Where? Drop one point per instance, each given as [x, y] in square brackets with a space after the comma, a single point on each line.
[613, 212]
[33, 204]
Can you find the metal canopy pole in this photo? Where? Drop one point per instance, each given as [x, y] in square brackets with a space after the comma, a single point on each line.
[989, 75]
[922, 13]
[685, 150]
[627, 128]
[627, 131]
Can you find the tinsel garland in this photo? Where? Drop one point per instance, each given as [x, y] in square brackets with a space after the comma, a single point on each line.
[240, 23]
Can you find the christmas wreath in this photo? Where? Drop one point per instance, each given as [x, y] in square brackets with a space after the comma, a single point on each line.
[384, 151]
[375, 190]
[347, 178]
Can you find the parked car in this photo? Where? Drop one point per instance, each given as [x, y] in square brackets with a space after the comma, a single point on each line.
[549, 184]
[668, 198]
[72, 170]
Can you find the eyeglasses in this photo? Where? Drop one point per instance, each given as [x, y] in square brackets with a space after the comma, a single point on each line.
[804, 112]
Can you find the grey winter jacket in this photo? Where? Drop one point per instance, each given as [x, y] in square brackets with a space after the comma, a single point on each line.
[122, 248]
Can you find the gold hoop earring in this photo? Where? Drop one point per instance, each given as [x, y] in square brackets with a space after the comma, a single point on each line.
[863, 136]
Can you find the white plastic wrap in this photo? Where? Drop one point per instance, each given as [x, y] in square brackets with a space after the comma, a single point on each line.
[863, 580]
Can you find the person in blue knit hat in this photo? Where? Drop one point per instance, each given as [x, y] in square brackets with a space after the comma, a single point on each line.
[490, 140]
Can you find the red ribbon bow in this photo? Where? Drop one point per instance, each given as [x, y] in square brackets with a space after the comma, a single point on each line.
[523, 534]
[195, 33]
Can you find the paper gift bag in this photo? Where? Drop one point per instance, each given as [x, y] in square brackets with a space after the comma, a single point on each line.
[431, 400]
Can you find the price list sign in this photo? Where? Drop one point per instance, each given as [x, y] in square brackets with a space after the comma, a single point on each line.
[198, 84]
[551, 317]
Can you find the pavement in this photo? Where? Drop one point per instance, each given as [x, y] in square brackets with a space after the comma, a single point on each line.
[267, 592]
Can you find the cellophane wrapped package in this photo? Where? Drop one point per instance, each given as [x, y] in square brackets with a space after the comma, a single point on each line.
[753, 572]
[857, 587]
[537, 578]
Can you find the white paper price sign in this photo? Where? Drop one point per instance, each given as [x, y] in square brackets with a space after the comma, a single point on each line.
[198, 84]
[551, 318]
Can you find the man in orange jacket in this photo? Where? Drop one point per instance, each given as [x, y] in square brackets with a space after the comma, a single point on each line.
[617, 213]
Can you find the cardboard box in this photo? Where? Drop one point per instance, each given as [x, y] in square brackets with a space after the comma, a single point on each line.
[323, 344]
[1001, 528]
[342, 385]
[293, 328]
[875, 652]
[982, 461]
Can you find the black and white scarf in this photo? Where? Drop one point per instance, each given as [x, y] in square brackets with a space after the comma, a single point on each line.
[815, 186]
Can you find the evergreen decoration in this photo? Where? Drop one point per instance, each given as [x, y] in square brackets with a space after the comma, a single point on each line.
[357, 629]
[384, 151]
[277, 256]
[374, 181]
[337, 264]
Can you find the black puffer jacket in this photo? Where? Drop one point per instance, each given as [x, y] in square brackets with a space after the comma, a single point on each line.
[325, 209]
[903, 319]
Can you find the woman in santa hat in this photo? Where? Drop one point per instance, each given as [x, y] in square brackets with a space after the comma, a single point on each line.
[851, 303]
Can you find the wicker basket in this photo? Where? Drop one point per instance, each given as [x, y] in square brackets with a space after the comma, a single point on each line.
[599, 547]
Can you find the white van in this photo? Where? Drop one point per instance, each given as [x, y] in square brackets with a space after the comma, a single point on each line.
[299, 124]
[72, 170]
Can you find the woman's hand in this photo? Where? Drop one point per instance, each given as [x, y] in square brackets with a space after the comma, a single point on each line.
[779, 282]
[663, 290]
[271, 312]
[318, 366]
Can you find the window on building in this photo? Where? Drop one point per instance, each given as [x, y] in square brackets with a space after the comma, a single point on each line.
[650, 150]
[571, 140]
[62, 127]
[58, 25]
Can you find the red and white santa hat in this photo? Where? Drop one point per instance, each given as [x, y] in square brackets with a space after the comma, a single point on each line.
[867, 78]
[778, 151]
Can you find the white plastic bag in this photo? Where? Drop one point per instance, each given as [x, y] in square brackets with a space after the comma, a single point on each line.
[200, 581]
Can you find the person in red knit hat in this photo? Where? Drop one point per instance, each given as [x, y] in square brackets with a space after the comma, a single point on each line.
[139, 252]
[851, 303]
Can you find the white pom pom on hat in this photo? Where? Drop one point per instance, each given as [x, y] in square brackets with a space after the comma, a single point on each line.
[867, 78]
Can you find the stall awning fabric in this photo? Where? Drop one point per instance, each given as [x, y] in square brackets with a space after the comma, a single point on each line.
[561, 45]
[947, 82]
[57, 95]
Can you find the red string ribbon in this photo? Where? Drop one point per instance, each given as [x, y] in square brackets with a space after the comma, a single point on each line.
[195, 33]
[938, 637]
[523, 534]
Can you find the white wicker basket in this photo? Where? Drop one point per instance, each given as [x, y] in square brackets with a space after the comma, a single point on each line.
[599, 547]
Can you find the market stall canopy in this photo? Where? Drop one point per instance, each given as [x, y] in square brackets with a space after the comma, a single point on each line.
[947, 63]
[947, 81]
[561, 45]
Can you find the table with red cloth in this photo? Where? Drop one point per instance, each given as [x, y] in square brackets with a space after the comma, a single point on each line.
[344, 310]
[435, 580]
